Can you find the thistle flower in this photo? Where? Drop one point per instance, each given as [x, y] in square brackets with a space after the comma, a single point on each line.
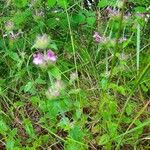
[38, 59]
[41, 42]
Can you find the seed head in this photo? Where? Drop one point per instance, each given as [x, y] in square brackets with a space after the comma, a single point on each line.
[41, 42]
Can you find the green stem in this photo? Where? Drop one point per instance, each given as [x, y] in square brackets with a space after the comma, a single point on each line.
[117, 40]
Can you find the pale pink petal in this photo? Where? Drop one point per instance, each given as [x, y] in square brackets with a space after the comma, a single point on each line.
[38, 59]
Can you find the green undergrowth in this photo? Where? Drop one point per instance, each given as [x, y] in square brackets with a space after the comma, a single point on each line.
[74, 78]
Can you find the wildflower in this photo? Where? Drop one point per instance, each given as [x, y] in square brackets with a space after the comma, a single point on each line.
[55, 90]
[41, 42]
[97, 37]
[44, 59]
[38, 59]
[51, 56]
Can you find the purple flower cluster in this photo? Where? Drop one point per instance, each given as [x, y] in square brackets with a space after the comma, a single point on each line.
[104, 40]
[100, 39]
[97, 37]
[43, 59]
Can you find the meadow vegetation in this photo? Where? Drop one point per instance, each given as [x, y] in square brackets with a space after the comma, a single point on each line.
[74, 77]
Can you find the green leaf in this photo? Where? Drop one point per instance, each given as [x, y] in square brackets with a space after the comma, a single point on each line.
[103, 139]
[40, 81]
[62, 3]
[103, 3]
[10, 144]
[3, 127]
[140, 9]
[112, 127]
[90, 21]
[51, 3]
[72, 145]
[117, 88]
[76, 133]
[53, 46]
[28, 86]
[104, 84]
[79, 18]
[55, 72]
[28, 127]
[20, 3]
[14, 56]
[65, 124]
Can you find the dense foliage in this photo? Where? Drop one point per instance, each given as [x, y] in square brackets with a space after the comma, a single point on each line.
[74, 76]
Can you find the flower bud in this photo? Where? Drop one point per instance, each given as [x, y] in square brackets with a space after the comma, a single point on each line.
[41, 42]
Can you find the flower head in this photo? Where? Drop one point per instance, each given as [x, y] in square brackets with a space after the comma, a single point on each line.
[38, 59]
[55, 90]
[51, 56]
[41, 42]
[97, 37]
[44, 59]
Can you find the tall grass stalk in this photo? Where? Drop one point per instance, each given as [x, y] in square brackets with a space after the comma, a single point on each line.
[71, 36]
[138, 48]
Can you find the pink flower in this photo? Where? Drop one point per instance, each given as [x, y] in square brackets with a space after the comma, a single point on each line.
[38, 59]
[44, 59]
[51, 56]
[97, 37]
